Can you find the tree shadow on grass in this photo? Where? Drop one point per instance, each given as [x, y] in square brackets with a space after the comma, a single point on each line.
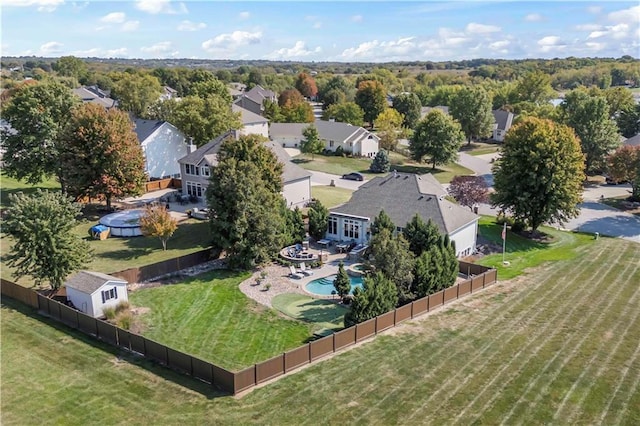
[165, 373]
[300, 160]
[321, 311]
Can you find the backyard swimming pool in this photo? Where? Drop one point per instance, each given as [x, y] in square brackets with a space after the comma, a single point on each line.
[324, 286]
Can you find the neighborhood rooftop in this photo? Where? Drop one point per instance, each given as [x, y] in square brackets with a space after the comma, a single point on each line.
[327, 130]
[145, 128]
[89, 281]
[401, 196]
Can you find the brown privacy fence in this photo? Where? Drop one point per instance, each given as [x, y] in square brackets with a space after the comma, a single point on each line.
[147, 272]
[156, 185]
[234, 382]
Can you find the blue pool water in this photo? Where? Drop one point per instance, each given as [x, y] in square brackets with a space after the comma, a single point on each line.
[324, 286]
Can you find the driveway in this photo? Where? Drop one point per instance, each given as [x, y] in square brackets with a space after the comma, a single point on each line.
[321, 178]
[597, 217]
[480, 165]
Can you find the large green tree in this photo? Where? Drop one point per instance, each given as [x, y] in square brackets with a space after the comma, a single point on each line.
[311, 144]
[136, 92]
[372, 98]
[382, 221]
[437, 136]
[629, 121]
[392, 257]
[624, 165]
[534, 87]
[408, 104]
[378, 296]
[436, 268]
[381, 163]
[421, 235]
[70, 66]
[101, 155]
[471, 106]
[45, 246]
[318, 220]
[203, 119]
[540, 173]
[342, 283]
[389, 128]
[37, 115]
[598, 133]
[344, 112]
[244, 192]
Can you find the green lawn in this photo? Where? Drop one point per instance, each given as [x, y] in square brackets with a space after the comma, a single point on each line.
[342, 165]
[209, 317]
[13, 186]
[331, 196]
[323, 314]
[617, 203]
[523, 253]
[556, 346]
[480, 148]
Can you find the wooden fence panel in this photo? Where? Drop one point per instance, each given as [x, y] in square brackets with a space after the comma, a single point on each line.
[202, 370]
[296, 357]
[321, 347]
[54, 309]
[420, 306]
[471, 268]
[131, 275]
[436, 300]
[244, 379]
[107, 332]
[224, 379]
[87, 324]
[464, 288]
[450, 293]
[43, 303]
[179, 361]
[365, 329]
[385, 321]
[69, 315]
[344, 338]
[124, 339]
[156, 351]
[270, 368]
[403, 313]
[490, 277]
[477, 283]
[138, 344]
[22, 294]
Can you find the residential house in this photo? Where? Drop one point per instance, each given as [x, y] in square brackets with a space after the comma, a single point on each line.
[352, 139]
[252, 124]
[196, 172]
[503, 120]
[402, 196]
[168, 93]
[163, 145]
[253, 99]
[92, 292]
[632, 141]
[95, 95]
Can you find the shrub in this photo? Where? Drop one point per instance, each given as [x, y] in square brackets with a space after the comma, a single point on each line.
[109, 312]
[125, 320]
[502, 218]
[518, 226]
[339, 152]
[122, 306]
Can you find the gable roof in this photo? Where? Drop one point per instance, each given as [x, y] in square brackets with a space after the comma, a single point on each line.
[503, 119]
[145, 128]
[95, 95]
[327, 130]
[401, 196]
[88, 282]
[291, 171]
[257, 94]
[633, 140]
[248, 117]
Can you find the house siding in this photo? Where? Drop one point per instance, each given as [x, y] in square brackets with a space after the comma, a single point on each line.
[297, 193]
[91, 304]
[465, 239]
[162, 150]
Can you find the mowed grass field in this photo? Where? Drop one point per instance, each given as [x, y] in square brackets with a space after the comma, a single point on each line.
[559, 345]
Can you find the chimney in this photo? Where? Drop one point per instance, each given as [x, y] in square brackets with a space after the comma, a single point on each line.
[191, 147]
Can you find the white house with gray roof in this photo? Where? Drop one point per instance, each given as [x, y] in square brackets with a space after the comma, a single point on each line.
[92, 292]
[401, 196]
[162, 145]
[196, 171]
[253, 100]
[252, 124]
[503, 122]
[352, 139]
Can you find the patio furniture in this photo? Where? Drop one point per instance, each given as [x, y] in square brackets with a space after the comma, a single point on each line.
[304, 270]
[294, 274]
[342, 248]
[324, 243]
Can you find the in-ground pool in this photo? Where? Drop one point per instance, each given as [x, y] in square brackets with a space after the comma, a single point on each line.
[324, 286]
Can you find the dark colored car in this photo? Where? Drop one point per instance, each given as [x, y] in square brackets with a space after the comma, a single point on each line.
[353, 176]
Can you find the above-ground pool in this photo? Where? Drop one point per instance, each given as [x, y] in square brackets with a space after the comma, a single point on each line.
[324, 286]
[123, 224]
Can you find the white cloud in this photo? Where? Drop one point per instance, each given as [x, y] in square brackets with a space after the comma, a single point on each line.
[474, 28]
[551, 43]
[101, 53]
[114, 18]
[116, 53]
[51, 47]
[43, 5]
[244, 15]
[356, 18]
[130, 26]
[155, 7]
[594, 9]
[382, 50]
[629, 16]
[534, 17]
[299, 50]
[191, 26]
[161, 47]
[499, 45]
[227, 43]
[588, 27]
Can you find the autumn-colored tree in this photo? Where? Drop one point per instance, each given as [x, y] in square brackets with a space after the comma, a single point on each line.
[469, 190]
[294, 108]
[389, 128]
[101, 155]
[156, 221]
[624, 165]
[372, 98]
[306, 85]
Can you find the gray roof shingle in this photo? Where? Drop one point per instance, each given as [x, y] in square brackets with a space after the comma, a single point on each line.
[504, 119]
[95, 95]
[401, 196]
[248, 117]
[327, 130]
[88, 281]
[145, 128]
[633, 141]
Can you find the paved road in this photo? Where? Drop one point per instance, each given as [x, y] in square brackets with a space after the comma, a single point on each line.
[481, 165]
[321, 178]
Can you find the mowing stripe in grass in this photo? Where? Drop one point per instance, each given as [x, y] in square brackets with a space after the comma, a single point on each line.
[540, 306]
[603, 348]
[633, 392]
[577, 303]
[513, 360]
[445, 352]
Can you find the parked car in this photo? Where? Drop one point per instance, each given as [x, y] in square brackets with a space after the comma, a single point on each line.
[353, 176]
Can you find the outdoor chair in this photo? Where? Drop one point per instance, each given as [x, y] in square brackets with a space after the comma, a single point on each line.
[294, 274]
[304, 270]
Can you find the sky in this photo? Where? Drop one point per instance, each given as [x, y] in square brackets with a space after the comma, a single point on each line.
[345, 31]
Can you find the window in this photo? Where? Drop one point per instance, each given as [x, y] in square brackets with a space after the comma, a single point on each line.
[192, 169]
[351, 229]
[109, 294]
[330, 144]
[194, 188]
[205, 171]
[332, 226]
